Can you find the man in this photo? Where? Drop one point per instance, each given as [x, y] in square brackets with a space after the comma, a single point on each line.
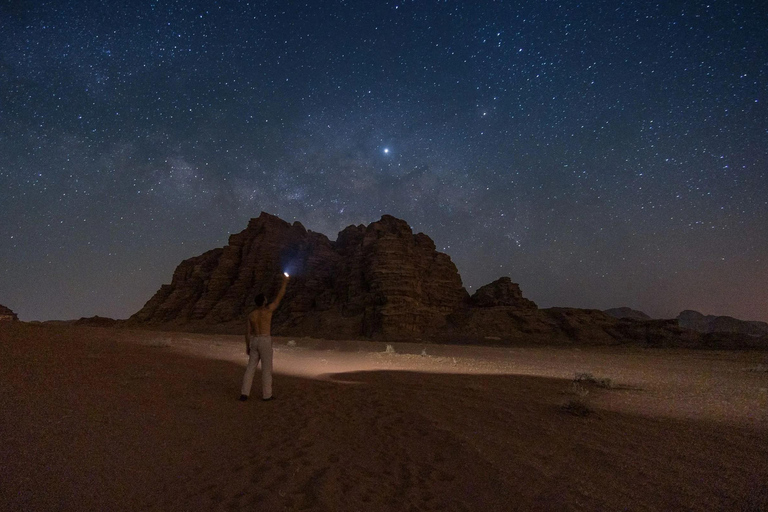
[258, 343]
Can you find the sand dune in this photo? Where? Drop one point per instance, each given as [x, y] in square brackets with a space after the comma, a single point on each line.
[106, 419]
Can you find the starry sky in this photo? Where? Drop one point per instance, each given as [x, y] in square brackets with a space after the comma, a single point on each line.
[600, 153]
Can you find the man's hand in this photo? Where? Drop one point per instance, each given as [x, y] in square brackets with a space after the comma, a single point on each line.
[273, 305]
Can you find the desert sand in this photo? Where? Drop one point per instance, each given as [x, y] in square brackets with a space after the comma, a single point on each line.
[110, 419]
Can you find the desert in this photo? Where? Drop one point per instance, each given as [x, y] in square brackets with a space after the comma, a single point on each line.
[383, 256]
[99, 418]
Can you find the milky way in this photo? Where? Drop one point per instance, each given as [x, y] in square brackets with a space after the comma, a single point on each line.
[601, 154]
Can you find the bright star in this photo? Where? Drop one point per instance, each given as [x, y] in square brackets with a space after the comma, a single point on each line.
[386, 151]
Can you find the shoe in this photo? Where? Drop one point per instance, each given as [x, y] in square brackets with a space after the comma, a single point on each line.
[268, 399]
[243, 398]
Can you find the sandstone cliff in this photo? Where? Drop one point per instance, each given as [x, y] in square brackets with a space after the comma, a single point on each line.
[375, 281]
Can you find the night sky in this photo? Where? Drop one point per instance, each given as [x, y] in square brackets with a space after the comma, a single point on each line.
[600, 153]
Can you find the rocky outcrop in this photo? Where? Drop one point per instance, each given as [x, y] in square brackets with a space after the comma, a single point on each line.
[397, 280]
[6, 315]
[720, 324]
[502, 292]
[562, 326]
[626, 313]
[379, 280]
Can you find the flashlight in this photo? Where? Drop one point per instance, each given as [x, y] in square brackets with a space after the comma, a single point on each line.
[286, 274]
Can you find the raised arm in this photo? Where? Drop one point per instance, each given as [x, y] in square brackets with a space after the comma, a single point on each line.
[280, 294]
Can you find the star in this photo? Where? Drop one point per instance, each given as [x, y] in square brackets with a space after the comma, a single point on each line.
[639, 169]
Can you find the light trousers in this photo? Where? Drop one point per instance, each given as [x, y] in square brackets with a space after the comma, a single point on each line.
[261, 350]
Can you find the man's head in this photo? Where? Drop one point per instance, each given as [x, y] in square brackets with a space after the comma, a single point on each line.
[260, 300]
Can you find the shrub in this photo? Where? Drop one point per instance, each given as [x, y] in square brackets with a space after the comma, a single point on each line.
[591, 379]
[578, 406]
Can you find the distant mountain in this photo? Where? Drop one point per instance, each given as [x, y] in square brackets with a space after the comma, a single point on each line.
[97, 321]
[630, 313]
[696, 321]
[7, 315]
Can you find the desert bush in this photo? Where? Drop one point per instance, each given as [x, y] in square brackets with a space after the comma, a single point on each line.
[390, 349]
[578, 389]
[591, 379]
[579, 405]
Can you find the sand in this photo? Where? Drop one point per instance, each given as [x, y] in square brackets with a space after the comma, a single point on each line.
[109, 419]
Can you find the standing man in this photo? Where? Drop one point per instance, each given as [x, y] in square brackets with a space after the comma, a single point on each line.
[258, 343]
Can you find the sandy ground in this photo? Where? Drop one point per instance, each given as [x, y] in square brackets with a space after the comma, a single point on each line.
[102, 419]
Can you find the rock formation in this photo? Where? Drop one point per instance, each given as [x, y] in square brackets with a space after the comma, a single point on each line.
[502, 292]
[378, 281]
[563, 326]
[720, 324]
[6, 315]
[375, 281]
[626, 313]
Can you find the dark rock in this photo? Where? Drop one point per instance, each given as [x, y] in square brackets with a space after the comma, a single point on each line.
[6, 315]
[694, 320]
[382, 281]
[582, 325]
[97, 321]
[625, 312]
[733, 341]
[656, 333]
[502, 292]
[564, 326]
[375, 281]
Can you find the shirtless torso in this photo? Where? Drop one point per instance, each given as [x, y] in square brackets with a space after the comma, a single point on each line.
[259, 322]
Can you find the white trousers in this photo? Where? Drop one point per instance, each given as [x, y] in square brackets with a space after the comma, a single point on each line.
[261, 350]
